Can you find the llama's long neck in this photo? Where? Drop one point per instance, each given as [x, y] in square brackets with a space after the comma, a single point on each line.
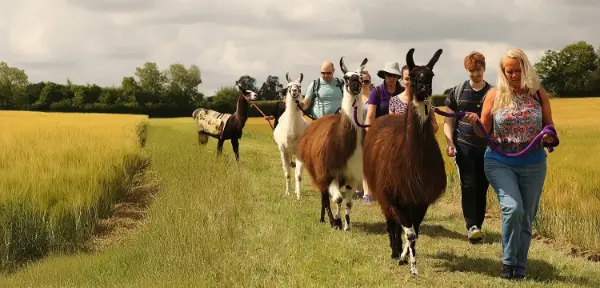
[348, 102]
[241, 110]
[290, 104]
[419, 125]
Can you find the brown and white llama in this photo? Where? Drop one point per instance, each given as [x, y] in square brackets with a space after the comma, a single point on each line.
[331, 150]
[403, 164]
[224, 126]
[287, 133]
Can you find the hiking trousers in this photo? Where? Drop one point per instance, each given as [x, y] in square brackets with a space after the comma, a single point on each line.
[473, 183]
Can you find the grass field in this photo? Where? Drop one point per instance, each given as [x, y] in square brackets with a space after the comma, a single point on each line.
[217, 223]
[60, 174]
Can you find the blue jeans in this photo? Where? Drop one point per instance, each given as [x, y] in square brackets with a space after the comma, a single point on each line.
[518, 189]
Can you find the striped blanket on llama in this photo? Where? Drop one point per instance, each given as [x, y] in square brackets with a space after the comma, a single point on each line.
[210, 121]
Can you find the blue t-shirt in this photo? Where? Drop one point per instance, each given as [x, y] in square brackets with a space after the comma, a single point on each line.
[329, 99]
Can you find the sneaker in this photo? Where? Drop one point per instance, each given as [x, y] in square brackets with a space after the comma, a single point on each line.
[474, 234]
[519, 273]
[507, 272]
[367, 199]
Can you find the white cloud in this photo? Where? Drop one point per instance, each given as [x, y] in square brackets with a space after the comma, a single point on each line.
[92, 41]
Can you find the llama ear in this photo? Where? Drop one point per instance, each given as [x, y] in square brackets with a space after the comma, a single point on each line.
[363, 64]
[409, 59]
[343, 66]
[287, 77]
[301, 77]
[434, 59]
[241, 89]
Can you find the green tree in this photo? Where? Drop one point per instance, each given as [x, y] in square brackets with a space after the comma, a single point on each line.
[13, 86]
[183, 84]
[270, 88]
[152, 80]
[247, 83]
[569, 72]
[225, 100]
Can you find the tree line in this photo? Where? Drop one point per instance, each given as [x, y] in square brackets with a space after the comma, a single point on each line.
[573, 71]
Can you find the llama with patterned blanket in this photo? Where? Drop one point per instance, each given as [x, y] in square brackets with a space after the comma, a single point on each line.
[210, 121]
[223, 126]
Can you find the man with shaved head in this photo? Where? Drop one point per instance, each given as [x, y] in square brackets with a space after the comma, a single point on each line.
[324, 95]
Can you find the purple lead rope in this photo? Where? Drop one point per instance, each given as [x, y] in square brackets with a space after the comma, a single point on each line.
[548, 129]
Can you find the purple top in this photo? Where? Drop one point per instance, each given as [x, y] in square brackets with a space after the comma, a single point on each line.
[380, 97]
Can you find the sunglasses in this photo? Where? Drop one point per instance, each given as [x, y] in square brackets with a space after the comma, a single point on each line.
[366, 82]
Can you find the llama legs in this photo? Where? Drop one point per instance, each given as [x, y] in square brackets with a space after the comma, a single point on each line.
[220, 146]
[285, 163]
[325, 205]
[236, 146]
[299, 167]
[348, 208]
[336, 196]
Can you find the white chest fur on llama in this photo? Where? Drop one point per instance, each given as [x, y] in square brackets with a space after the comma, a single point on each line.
[287, 133]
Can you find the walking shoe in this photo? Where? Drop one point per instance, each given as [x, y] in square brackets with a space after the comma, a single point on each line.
[367, 199]
[519, 273]
[507, 272]
[474, 234]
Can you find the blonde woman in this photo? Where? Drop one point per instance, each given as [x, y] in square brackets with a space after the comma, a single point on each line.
[366, 91]
[513, 114]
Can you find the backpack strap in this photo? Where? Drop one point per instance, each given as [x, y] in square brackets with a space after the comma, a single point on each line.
[458, 91]
[340, 85]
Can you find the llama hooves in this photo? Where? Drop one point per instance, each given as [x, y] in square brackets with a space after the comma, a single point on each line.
[337, 223]
[293, 164]
[402, 262]
[414, 272]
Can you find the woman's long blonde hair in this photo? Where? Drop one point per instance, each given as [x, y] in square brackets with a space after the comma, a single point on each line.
[529, 79]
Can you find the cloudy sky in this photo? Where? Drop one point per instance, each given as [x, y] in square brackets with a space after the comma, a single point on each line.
[101, 41]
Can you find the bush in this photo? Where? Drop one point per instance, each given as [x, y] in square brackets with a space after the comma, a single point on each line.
[438, 100]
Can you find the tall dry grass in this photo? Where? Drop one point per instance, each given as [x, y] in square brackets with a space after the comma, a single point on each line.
[59, 173]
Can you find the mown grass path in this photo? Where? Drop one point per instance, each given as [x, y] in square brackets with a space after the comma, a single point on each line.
[217, 223]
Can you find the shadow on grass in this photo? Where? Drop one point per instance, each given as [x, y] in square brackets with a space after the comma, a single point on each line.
[434, 231]
[440, 231]
[538, 271]
[378, 228]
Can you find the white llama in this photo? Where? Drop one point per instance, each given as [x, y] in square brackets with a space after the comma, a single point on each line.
[287, 133]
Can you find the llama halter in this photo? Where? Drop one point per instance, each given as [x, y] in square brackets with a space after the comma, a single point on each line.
[548, 129]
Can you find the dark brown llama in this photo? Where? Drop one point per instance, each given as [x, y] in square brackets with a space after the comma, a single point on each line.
[403, 166]
[224, 126]
[331, 150]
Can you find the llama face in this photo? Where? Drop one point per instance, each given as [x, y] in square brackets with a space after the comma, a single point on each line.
[421, 77]
[353, 79]
[249, 95]
[294, 88]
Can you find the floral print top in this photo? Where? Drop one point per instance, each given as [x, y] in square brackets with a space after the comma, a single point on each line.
[514, 128]
[397, 106]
